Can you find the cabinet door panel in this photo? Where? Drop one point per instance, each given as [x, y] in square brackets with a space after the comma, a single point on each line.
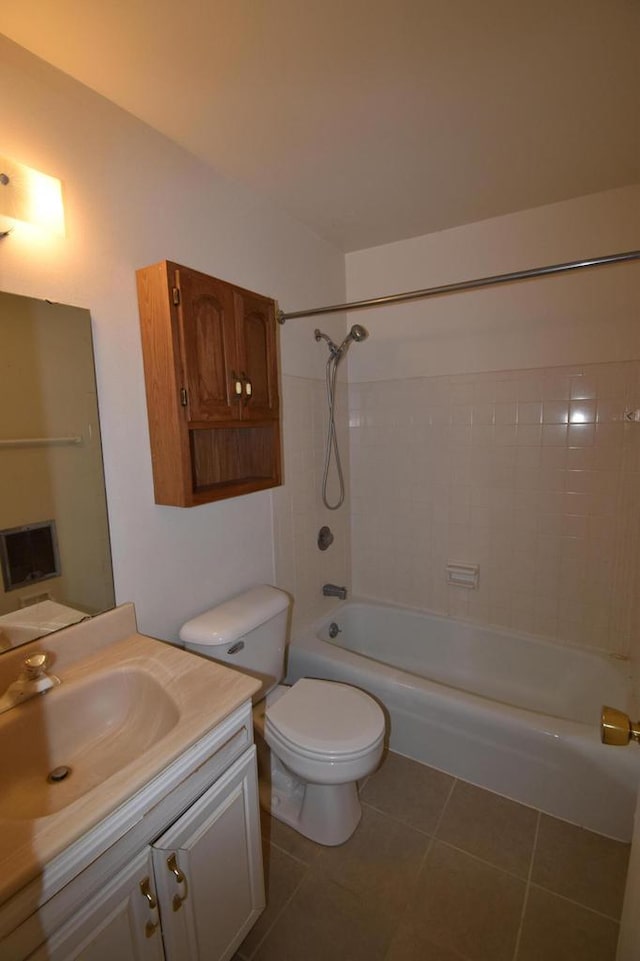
[207, 330]
[113, 924]
[208, 869]
[257, 340]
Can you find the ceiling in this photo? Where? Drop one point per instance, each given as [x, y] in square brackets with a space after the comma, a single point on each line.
[370, 120]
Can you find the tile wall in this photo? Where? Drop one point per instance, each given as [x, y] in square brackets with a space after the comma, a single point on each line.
[299, 514]
[532, 474]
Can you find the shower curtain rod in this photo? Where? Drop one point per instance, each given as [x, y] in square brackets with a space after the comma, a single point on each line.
[461, 285]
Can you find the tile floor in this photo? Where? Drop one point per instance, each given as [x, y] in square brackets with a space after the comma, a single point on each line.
[439, 870]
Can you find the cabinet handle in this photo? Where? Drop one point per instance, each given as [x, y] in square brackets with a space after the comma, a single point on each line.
[237, 384]
[145, 889]
[248, 388]
[180, 879]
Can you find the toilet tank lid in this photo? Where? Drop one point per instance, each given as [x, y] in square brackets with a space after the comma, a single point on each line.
[234, 618]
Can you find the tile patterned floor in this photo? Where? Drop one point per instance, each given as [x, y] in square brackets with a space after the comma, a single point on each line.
[439, 870]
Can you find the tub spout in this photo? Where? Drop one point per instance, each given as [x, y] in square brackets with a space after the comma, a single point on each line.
[332, 590]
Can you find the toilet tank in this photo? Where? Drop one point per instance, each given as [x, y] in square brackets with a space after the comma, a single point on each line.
[247, 632]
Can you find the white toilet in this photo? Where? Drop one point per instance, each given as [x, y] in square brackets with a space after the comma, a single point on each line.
[316, 739]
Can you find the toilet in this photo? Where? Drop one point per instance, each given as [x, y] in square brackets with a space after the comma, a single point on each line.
[316, 739]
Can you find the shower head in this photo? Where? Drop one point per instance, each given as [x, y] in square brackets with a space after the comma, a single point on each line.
[357, 333]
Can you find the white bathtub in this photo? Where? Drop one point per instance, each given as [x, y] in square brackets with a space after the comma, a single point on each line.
[512, 713]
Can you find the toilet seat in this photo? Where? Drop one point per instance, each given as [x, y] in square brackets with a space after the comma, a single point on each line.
[325, 720]
[326, 759]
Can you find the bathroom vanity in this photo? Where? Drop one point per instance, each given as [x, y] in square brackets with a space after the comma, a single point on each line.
[150, 847]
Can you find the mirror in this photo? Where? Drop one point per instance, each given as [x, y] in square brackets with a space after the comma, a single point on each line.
[55, 559]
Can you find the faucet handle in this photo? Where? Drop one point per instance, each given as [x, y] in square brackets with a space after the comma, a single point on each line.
[36, 665]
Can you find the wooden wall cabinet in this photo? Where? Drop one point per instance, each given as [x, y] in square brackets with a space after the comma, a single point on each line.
[211, 373]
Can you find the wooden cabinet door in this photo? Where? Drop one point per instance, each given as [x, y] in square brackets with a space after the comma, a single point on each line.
[121, 923]
[256, 333]
[208, 869]
[209, 347]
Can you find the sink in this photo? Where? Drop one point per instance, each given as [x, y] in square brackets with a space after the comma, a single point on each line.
[95, 726]
[128, 712]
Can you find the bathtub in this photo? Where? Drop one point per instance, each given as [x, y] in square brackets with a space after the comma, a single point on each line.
[509, 712]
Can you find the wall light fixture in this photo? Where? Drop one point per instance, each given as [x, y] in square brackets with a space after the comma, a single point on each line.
[29, 196]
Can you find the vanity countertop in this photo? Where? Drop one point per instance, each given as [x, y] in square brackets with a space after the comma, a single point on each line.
[145, 698]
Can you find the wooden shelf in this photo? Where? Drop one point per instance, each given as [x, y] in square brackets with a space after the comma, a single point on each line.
[224, 455]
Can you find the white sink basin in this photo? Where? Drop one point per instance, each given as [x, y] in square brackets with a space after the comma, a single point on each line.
[127, 707]
[95, 727]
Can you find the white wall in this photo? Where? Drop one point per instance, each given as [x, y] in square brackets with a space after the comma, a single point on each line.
[488, 426]
[133, 198]
[585, 317]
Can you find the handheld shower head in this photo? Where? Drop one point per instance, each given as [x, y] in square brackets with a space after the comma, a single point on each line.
[358, 333]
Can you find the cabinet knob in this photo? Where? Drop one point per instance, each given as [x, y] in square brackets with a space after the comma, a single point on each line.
[172, 864]
[248, 388]
[237, 384]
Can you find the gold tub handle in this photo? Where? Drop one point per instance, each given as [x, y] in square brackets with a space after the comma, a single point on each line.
[617, 728]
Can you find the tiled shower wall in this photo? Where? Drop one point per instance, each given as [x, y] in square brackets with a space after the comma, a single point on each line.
[532, 474]
[299, 513]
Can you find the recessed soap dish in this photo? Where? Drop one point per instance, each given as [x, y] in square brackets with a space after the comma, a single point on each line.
[464, 575]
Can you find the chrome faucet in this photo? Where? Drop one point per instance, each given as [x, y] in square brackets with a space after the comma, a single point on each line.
[332, 590]
[33, 679]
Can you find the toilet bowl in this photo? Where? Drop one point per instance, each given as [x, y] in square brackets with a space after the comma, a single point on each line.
[322, 738]
[316, 739]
